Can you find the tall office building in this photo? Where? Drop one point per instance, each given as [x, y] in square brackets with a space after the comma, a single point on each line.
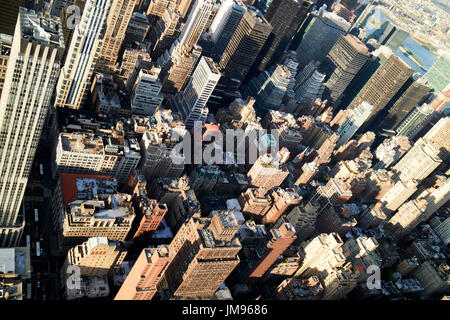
[6, 41]
[146, 96]
[322, 253]
[202, 255]
[116, 25]
[382, 86]
[439, 135]
[157, 146]
[182, 6]
[411, 94]
[406, 218]
[325, 29]
[414, 121]
[285, 16]
[335, 193]
[376, 60]
[439, 102]
[75, 78]
[279, 240]
[439, 74]
[145, 275]
[10, 12]
[398, 194]
[355, 120]
[310, 84]
[137, 28]
[191, 103]
[393, 37]
[195, 24]
[419, 162]
[165, 31]
[178, 62]
[157, 8]
[224, 25]
[36, 53]
[57, 6]
[342, 63]
[269, 88]
[245, 44]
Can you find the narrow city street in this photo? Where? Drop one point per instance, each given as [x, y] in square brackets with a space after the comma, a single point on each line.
[38, 233]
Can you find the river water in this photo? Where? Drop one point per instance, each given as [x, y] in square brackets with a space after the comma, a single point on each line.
[423, 54]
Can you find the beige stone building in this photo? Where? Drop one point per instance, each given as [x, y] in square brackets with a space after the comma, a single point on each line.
[268, 172]
[201, 256]
[117, 22]
[419, 162]
[96, 257]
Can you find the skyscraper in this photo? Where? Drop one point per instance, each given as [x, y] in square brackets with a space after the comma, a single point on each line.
[354, 121]
[410, 95]
[191, 103]
[376, 60]
[440, 136]
[146, 95]
[342, 63]
[269, 88]
[414, 121]
[310, 83]
[268, 172]
[195, 24]
[36, 53]
[245, 44]
[224, 25]
[439, 74]
[57, 6]
[326, 27]
[178, 62]
[382, 86]
[285, 16]
[76, 76]
[419, 161]
[5, 51]
[157, 8]
[116, 25]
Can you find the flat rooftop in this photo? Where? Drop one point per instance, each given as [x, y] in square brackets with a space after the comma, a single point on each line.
[357, 44]
[85, 187]
[82, 143]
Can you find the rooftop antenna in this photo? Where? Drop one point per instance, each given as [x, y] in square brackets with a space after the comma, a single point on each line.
[42, 33]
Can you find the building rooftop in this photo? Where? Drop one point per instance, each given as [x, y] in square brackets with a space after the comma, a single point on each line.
[86, 187]
[15, 261]
[357, 43]
[82, 143]
[37, 28]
